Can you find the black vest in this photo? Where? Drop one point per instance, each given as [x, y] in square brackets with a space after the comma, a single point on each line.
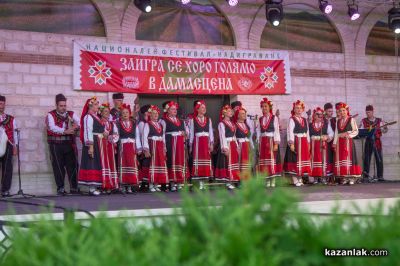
[298, 128]
[198, 128]
[240, 133]
[229, 133]
[347, 126]
[153, 131]
[124, 134]
[171, 127]
[270, 127]
[313, 132]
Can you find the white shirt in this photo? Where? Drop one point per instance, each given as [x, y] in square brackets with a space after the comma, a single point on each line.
[60, 130]
[276, 134]
[330, 130]
[290, 129]
[192, 134]
[138, 140]
[352, 133]
[15, 134]
[221, 131]
[146, 131]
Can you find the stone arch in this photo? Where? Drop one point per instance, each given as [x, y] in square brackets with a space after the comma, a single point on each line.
[259, 23]
[200, 26]
[365, 28]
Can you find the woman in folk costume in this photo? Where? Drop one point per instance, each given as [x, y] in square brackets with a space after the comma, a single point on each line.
[201, 139]
[297, 157]
[129, 146]
[346, 165]
[245, 142]
[90, 172]
[154, 150]
[268, 138]
[143, 162]
[320, 134]
[108, 145]
[175, 135]
[227, 168]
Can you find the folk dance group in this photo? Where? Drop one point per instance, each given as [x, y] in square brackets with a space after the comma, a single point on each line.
[160, 151]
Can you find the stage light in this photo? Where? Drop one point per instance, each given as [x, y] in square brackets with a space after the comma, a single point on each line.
[394, 19]
[274, 12]
[353, 11]
[185, 2]
[144, 5]
[325, 7]
[232, 2]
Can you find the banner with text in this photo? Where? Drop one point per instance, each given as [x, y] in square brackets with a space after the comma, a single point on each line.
[156, 70]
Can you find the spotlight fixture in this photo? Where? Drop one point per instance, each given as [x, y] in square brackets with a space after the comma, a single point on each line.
[185, 2]
[232, 2]
[353, 11]
[394, 19]
[324, 6]
[144, 5]
[274, 11]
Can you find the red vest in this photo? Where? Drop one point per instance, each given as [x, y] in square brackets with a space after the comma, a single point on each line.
[8, 125]
[56, 138]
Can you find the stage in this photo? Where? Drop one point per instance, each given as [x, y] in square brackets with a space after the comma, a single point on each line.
[315, 195]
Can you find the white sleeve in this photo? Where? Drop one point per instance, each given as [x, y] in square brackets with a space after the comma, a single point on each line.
[116, 133]
[88, 130]
[163, 124]
[308, 132]
[250, 123]
[258, 131]
[52, 126]
[146, 131]
[354, 127]
[222, 139]
[277, 135]
[15, 133]
[211, 132]
[335, 138]
[141, 127]
[76, 119]
[290, 128]
[138, 141]
[191, 131]
[330, 132]
[361, 125]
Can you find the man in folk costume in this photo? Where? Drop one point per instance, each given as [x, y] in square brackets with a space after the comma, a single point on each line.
[143, 162]
[92, 129]
[321, 134]
[227, 168]
[108, 145]
[61, 128]
[201, 140]
[118, 99]
[373, 145]
[268, 138]
[297, 156]
[245, 143]
[328, 110]
[155, 150]
[8, 127]
[129, 146]
[175, 136]
[346, 165]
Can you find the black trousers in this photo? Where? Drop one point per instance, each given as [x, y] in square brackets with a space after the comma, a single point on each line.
[368, 151]
[63, 160]
[7, 168]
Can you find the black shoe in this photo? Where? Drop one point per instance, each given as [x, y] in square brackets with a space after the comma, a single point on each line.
[5, 194]
[381, 179]
[61, 192]
[74, 191]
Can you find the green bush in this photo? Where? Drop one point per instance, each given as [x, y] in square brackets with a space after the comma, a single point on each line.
[248, 227]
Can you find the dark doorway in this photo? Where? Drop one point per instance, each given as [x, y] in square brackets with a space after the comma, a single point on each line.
[213, 102]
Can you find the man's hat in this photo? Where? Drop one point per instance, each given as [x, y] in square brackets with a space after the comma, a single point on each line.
[118, 96]
[2, 98]
[328, 106]
[60, 98]
[369, 108]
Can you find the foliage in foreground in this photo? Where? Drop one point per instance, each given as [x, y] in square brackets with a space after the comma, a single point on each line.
[251, 227]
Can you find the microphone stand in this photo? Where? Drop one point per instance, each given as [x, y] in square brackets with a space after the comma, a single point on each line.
[20, 191]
